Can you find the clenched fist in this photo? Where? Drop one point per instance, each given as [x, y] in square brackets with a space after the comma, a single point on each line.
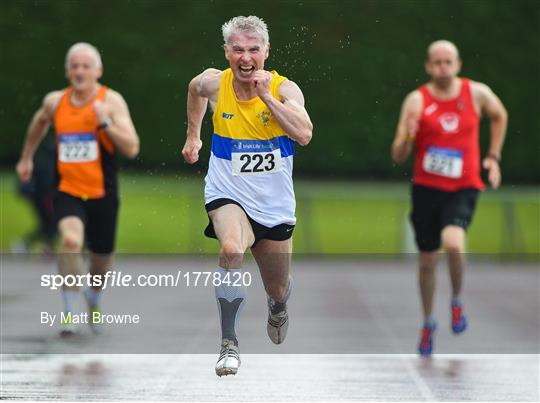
[190, 152]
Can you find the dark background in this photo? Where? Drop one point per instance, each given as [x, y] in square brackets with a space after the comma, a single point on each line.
[354, 60]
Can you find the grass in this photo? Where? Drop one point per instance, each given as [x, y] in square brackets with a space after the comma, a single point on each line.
[165, 214]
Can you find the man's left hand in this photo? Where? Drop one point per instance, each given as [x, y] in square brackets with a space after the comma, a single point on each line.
[494, 171]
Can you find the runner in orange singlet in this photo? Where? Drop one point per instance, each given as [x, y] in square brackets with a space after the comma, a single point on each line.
[92, 123]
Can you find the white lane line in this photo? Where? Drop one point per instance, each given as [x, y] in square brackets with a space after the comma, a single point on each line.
[174, 359]
[386, 328]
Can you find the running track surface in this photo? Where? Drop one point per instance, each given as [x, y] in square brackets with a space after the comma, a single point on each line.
[353, 333]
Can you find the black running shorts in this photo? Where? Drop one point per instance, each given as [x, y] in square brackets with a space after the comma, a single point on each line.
[280, 232]
[433, 210]
[99, 217]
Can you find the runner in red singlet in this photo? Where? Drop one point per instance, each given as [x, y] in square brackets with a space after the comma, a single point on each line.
[440, 120]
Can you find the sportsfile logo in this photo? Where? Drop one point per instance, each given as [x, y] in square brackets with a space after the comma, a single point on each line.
[118, 279]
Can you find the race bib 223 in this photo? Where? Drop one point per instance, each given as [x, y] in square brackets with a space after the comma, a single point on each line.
[255, 157]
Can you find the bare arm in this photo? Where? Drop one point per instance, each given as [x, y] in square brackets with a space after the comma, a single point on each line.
[290, 112]
[490, 105]
[36, 131]
[407, 127]
[121, 129]
[201, 89]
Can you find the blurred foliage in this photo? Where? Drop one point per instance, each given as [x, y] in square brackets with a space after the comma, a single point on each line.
[354, 60]
[163, 213]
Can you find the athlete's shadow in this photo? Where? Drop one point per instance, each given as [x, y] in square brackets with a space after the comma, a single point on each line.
[80, 378]
[430, 368]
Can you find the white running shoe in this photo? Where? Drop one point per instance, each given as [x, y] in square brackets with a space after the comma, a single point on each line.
[97, 327]
[229, 359]
[68, 328]
[278, 322]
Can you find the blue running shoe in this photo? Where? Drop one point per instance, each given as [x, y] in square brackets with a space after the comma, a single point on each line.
[426, 341]
[459, 321]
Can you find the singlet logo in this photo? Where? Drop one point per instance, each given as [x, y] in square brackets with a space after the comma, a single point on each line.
[431, 108]
[449, 122]
[265, 117]
[228, 116]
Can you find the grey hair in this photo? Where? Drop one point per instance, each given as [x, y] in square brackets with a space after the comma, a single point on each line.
[444, 43]
[86, 46]
[248, 25]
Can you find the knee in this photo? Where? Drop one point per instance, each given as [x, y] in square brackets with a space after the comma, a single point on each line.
[453, 239]
[453, 246]
[231, 254]
[231, 249]
[71, 243]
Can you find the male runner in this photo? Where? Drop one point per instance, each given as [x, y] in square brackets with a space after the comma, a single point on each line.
[92, 122]
[441, 120]
[249, 196]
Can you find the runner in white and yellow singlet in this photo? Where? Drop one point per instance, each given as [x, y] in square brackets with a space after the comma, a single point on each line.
[257, 117]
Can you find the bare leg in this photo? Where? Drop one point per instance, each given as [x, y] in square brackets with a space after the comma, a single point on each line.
[428, 264]
[72, 237]
[100, 264]
[453, 240]
[71, 231]
[235, 235]
[426, 277]
[274, 260]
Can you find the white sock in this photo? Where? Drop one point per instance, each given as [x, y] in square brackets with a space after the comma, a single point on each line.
[71, 300]
[429, 321]
[92, 296]
[456, 301]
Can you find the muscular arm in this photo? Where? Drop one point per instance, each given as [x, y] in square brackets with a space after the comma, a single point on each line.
[291, 113]
[201, 89]
[121, 131]
[407, 127]
[36, 131]
[491, 106]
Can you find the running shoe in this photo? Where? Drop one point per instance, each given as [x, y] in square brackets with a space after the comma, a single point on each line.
[68, 327]
[459, 320]
[96, 327]
[229, 358]
[426, 341]
[278, 321]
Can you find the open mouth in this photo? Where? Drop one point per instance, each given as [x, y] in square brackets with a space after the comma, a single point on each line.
[246, 69]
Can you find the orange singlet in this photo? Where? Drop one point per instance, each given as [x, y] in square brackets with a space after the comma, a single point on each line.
[85, 154]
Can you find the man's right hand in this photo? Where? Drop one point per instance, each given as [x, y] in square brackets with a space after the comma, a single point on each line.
[24, 169]
[190, 152]
[412, 126]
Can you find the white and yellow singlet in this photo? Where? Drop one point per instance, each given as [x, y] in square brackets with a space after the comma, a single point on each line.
[252, 157]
